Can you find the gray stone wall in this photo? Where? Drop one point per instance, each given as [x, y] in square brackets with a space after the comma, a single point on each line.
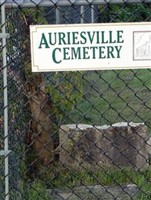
[120, 145]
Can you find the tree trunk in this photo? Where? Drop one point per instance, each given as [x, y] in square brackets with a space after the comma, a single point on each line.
[40, 133]
[32, 85]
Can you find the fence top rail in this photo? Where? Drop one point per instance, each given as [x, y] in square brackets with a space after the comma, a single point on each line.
[45, 3]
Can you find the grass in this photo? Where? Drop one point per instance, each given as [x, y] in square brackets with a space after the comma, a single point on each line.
[35, 190]
[113, 96]
[67, 181]
[109, 97]
[70, 179]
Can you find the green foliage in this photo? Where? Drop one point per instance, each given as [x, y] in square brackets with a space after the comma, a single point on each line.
[37, 191]
[64, 179]
[18, 26]
[66, 90]
[32, 191]
[125, 13]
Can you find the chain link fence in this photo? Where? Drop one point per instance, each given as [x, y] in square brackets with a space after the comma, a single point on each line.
[74, 135]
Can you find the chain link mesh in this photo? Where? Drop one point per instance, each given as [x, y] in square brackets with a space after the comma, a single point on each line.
[58, 121]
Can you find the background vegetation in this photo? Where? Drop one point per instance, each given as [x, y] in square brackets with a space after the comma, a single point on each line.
[95, 97]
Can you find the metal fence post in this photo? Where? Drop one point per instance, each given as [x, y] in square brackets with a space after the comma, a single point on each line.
[92, 14]
[5, 151]
[57, 11]
[82, 14]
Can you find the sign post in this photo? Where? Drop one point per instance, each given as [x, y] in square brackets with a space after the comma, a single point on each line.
[90, 46]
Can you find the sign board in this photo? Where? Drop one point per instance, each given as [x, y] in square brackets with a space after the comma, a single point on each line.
[90, 46]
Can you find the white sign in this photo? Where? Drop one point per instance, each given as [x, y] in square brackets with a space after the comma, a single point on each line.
[90, 46]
